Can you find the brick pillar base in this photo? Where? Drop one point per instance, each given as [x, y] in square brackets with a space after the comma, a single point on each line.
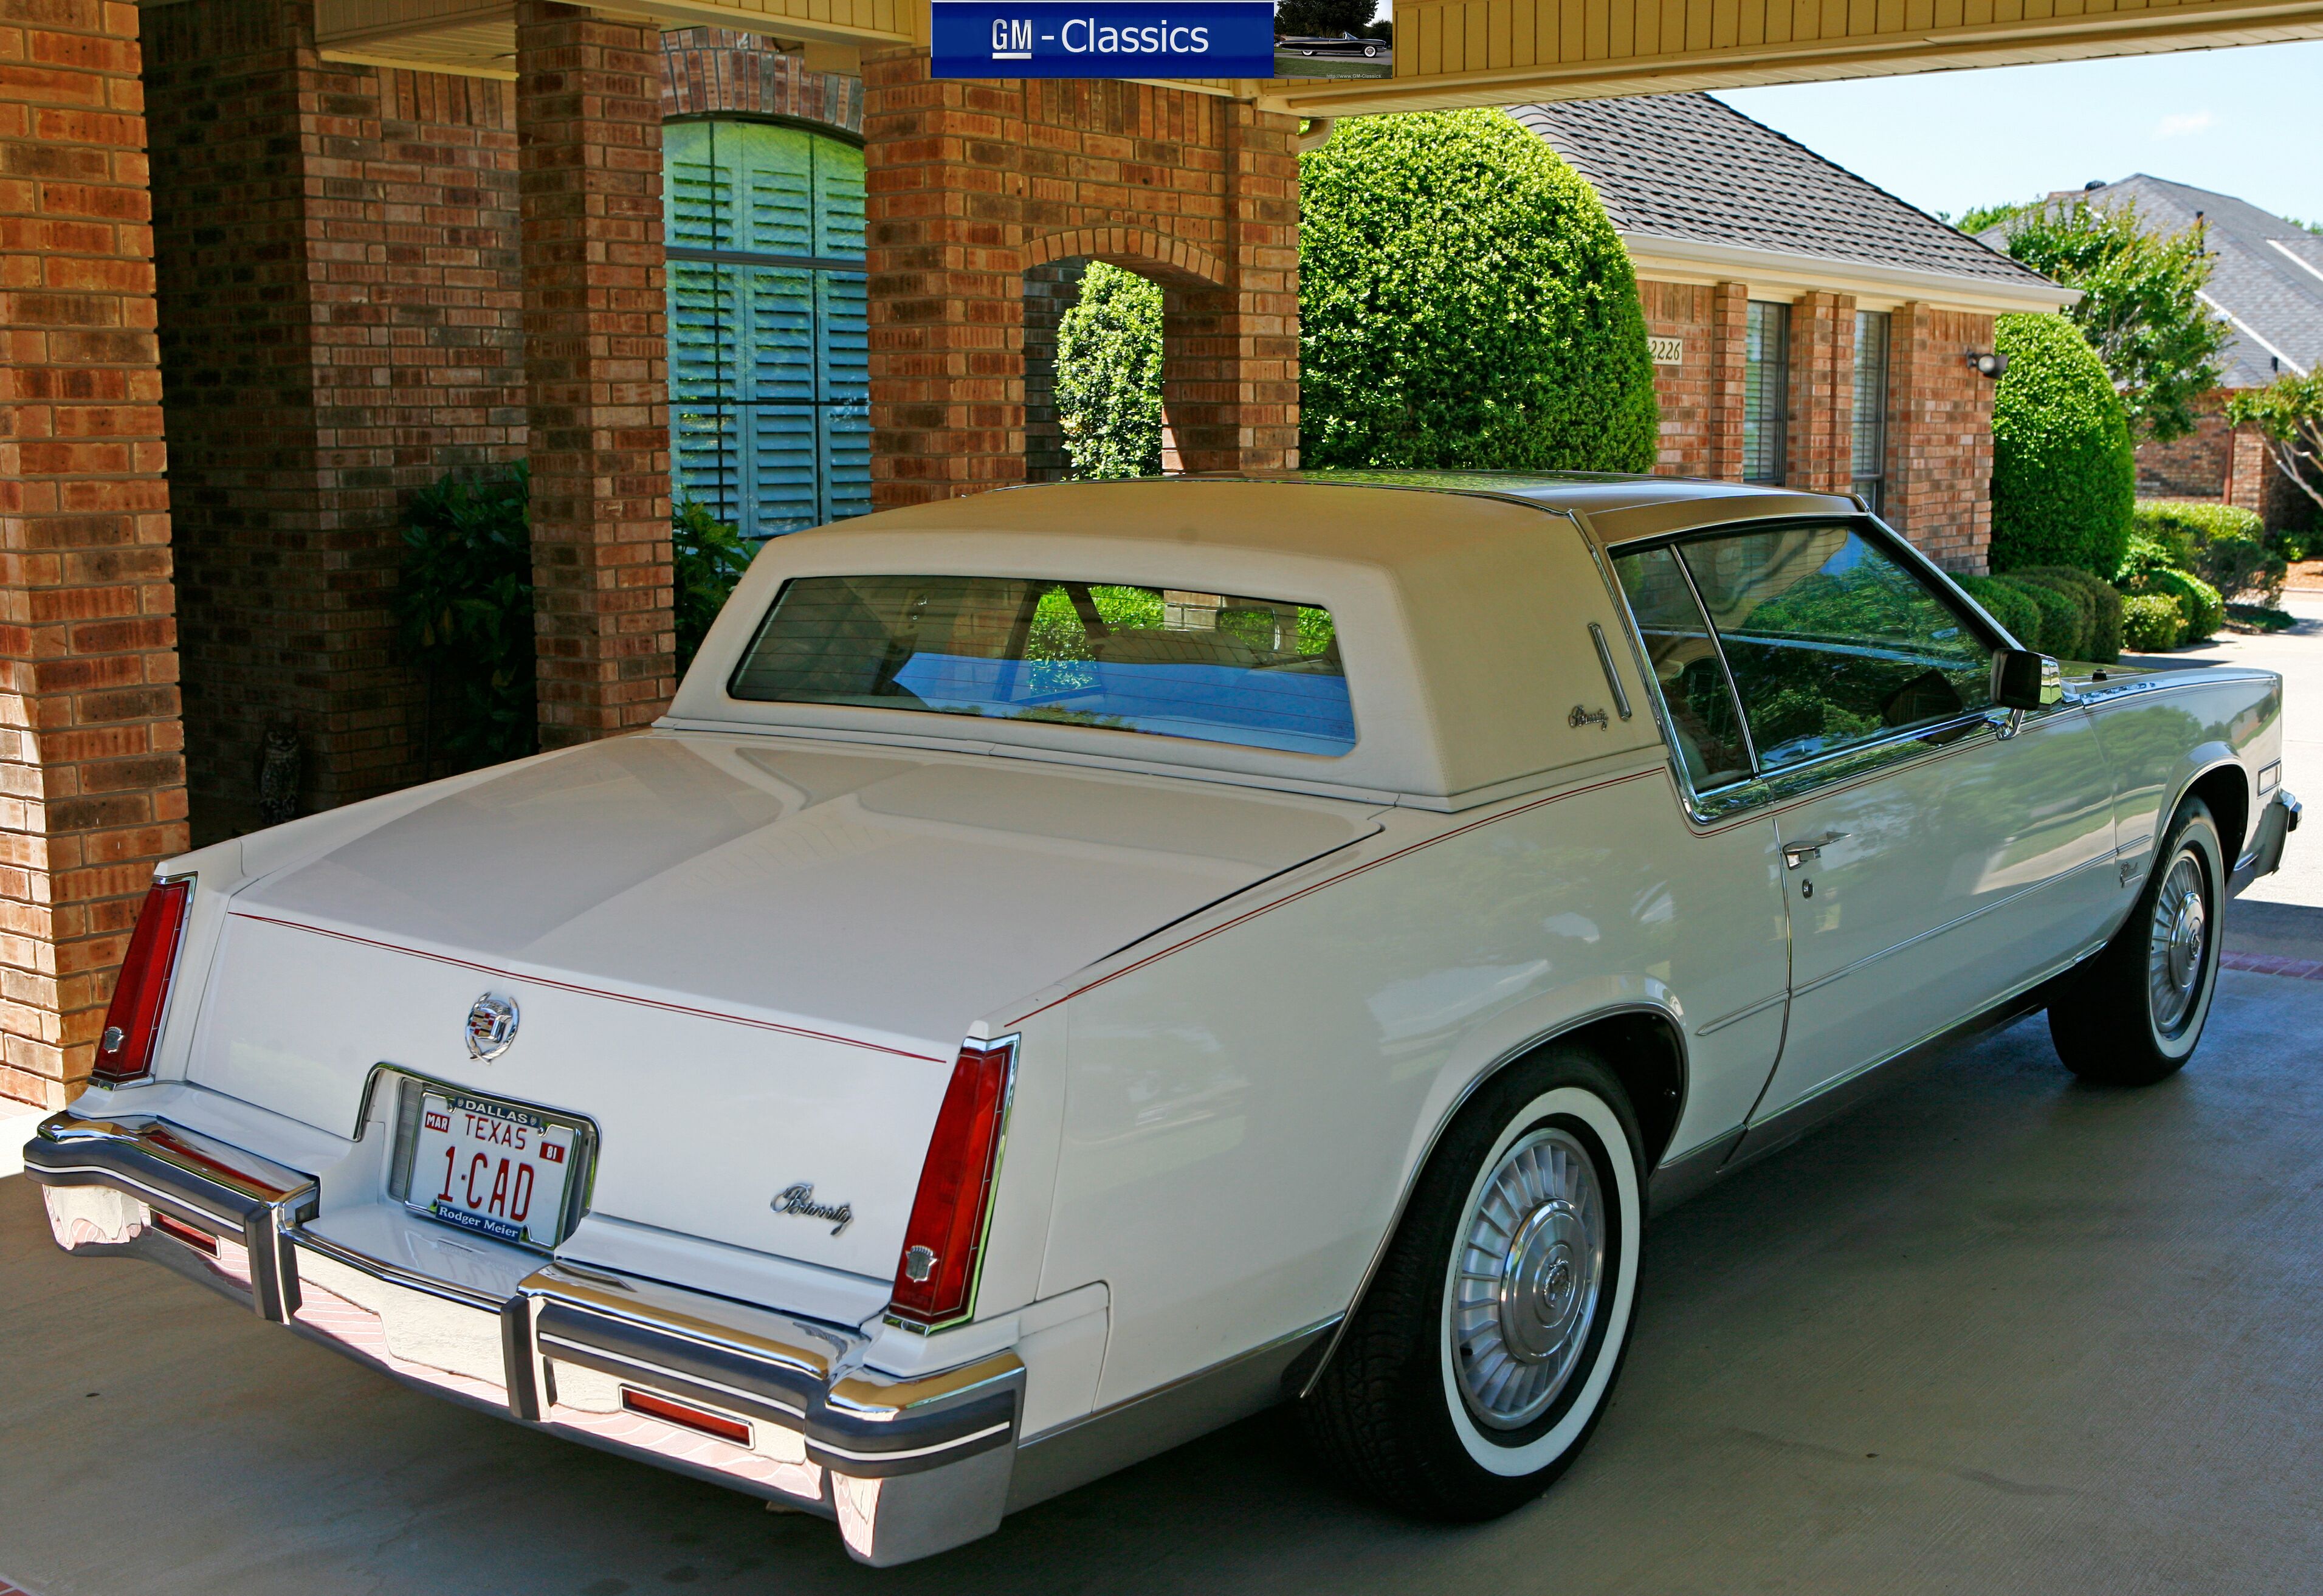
[971, 184]
[588, 114]
[92, 777]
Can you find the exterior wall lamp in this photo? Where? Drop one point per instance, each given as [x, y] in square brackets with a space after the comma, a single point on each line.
[1987, 365]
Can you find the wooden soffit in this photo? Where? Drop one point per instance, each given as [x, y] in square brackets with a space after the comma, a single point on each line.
[1466, 53]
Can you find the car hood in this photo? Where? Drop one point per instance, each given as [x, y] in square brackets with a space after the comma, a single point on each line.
[887, 894]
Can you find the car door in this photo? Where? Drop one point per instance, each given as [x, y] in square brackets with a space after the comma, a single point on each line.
[1917, 839]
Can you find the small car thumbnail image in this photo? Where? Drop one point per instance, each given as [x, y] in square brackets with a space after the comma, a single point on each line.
[1342, 54]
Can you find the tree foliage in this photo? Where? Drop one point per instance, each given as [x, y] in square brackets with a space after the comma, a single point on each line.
[1465, 301]
[1109, 375]
[2064, 476]
[2140, 305]
[707, 558]
[2289, 415]
[1323, 19]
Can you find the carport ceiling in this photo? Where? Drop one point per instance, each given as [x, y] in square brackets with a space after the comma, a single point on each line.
[1459, 52]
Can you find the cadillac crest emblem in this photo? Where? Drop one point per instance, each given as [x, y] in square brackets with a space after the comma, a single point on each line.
[491, 1026]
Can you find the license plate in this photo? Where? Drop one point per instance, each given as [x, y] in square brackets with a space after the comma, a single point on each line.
[498, 1169]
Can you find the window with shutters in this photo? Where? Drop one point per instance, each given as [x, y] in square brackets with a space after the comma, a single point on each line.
[1766, 391]
[769, 391]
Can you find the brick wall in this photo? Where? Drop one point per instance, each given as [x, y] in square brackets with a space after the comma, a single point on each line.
[1049, 291]
[970, 183]
[1823, 394]
[1686, 392]
[1730, 316]
[589, 100]
[91, 776]
[340, 327]
[1940, 435]
[719, 70]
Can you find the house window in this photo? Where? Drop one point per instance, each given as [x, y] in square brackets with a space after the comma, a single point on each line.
[769, 391]
[1766, 391]
[1870, 471]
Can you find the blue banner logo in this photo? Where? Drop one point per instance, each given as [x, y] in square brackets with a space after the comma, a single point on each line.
[1104, 39]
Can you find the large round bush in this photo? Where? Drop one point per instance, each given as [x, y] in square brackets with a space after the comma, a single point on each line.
[1463, 302]
[2064, 480]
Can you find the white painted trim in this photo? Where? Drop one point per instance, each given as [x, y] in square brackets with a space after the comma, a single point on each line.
[1875, 287]
[2311, 270]
[2252, 332]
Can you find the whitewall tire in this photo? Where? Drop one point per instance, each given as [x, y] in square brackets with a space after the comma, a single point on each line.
[1485, 1350]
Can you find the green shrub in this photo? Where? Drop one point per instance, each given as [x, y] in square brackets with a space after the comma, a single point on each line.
[464, 609]
[2063, 476]
[463, 616]
[2204, 610]
[2085, 610]
[2001, 601]
[2151, 623]
[1463, 302]
[707, 557]
[1109, 375]
[2103, 607]
[2225, 544]
[2064, 622]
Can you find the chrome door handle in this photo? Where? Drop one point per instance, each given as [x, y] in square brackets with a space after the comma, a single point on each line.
[1795, 854]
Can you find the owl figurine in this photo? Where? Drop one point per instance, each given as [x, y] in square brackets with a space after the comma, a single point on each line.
[279, 762]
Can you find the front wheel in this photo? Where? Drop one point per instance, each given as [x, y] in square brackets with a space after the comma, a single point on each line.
[2136, 1013]
[1480, 1359]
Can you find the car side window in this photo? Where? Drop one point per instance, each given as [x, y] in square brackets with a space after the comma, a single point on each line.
[1834, 641]
[1694, 690]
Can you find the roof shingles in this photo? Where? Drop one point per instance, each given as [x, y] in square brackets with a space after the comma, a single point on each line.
[1687, 167]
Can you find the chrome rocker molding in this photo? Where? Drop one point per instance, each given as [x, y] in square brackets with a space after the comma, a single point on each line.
[784, 1407]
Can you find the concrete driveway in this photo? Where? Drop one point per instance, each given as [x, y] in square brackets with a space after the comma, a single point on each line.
[1998, 1332]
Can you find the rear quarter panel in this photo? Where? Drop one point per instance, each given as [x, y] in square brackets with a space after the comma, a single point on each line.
[1243, 1112]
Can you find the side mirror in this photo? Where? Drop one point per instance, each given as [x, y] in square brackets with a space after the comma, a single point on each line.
[2024, 680]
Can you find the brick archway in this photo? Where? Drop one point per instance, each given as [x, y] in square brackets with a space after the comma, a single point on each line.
[971, 183]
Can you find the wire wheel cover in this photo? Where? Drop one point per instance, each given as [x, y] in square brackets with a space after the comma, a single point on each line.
[1530, 1269]
[2177, 952]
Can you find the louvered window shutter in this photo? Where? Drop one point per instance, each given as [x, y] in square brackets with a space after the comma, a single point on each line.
[769, 391]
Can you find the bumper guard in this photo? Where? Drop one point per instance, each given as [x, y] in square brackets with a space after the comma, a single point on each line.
[750, 1399]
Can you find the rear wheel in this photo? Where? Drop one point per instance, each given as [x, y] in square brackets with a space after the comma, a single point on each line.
[1486, 1348]
[2136, 1013]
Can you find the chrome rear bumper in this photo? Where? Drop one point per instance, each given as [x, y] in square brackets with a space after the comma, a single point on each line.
[765, 1403]
[2277, 820]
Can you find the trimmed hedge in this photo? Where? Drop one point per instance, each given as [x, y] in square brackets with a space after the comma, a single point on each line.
[2064, 479]
[1465, 301]
[2152, 622]
[2064, 620]
[2225, 544]
[2006, 605]
[2204, 610]
[2103, 607]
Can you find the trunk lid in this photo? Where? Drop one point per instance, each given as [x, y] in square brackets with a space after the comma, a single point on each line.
[749, 960]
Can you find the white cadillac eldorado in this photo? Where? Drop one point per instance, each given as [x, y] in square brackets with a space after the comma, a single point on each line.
[1079, 964]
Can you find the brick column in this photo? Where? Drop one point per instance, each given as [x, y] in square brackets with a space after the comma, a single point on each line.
[587, 117]
[1940, 435]
[92, 779]
[1049, 291]
[1729, 317]
[1230, 352]
[1823, 393]
[969, 185]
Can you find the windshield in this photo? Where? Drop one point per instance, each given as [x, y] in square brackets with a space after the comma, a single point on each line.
[1264, 673]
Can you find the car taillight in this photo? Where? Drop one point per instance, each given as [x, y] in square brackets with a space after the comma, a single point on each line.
[133, 1022]
[935, 1279]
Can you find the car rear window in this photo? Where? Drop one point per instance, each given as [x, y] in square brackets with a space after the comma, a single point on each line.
[1222, 668]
